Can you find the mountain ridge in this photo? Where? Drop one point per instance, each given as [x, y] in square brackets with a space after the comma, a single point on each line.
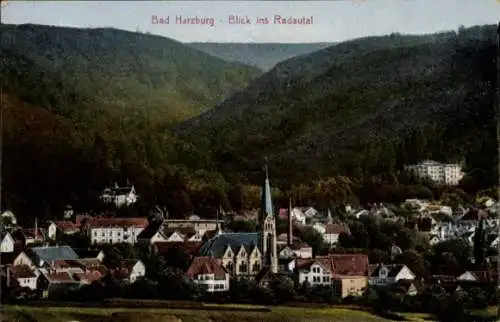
[261, 55]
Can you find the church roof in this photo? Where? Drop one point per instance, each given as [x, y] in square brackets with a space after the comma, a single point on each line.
[217, 245]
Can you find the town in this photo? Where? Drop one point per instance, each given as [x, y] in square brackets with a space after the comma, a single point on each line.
[418, 248]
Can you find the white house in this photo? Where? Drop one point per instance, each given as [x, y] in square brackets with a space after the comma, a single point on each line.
[23, 275]
[7, 245]
[129, 270]
[51, 230]
[388, 274]
[8, 218]
[314, 272]
[120, 196]
[115, 230]
[319, 227]
[332, 233]
[209, 274]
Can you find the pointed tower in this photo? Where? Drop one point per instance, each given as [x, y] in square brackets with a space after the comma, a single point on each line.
[268, 224]
[329, 218]
[290, 223]
[219, 230]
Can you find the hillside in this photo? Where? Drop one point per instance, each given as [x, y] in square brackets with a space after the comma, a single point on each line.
[86, 107]
[261, 55]
[87, 73]
[363, 106]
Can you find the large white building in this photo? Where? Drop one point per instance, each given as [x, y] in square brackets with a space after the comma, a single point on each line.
[443, 173]
[115, 230]
[120, 196]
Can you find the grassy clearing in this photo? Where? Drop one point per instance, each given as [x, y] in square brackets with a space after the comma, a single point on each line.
[278, 314]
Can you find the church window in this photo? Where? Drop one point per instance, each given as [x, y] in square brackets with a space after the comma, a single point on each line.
[243, 267]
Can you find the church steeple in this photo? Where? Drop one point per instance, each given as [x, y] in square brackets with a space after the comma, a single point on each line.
[266, 203]
[268, 224]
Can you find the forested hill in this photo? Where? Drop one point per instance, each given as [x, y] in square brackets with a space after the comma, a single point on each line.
[261, 55]
[364, 106]
[88, 73]
[85, 107]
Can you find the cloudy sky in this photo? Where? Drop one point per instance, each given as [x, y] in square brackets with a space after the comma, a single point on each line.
[332, 20]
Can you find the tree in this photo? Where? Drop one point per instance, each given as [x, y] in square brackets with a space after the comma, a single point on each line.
[414, 261]
[178, 257]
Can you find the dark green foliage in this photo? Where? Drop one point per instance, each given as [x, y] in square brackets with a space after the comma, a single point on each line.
[363, 107]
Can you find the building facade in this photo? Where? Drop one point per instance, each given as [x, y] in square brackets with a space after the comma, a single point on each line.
[443, 173]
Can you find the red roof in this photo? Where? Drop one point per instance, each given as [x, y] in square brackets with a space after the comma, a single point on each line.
[117, 222]
[190, 247]
[346, 264]
[334, 229]
[204, 265]
[22, 271]
[30, 233]
[66, 225]
[88, 277]
[307, 263]
[59, 277]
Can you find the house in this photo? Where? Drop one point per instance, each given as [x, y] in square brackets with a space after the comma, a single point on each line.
[349, 273]
[44, 257]
[207, 272]
[310, 212]
[407, 287]
[115, 230]
[8, 218]
[120, 196]
[30, 236]
[332, 232]
[152, 234]
[314, 272]
[388, 274]
[434, 239]
[23, 276]
[319, 227]
[128, 270]
[67, 227]
[298, 215]
[487, 274]
[158, 233]
[90, 254]
[199, 225]
[52, 283]
[7, 243]
[298, 249]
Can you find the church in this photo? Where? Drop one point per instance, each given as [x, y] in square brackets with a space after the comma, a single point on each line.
[247, 254]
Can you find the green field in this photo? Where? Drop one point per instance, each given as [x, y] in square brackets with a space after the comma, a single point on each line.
[65, 314]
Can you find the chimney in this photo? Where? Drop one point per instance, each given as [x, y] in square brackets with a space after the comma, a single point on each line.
[290, 226]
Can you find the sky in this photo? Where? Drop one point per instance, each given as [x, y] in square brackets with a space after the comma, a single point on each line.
[332, 21]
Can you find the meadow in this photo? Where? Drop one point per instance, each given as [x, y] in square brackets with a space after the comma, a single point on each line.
[224, 313]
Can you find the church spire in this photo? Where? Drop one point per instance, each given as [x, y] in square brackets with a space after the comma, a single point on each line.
[266, 201]
[268, 226]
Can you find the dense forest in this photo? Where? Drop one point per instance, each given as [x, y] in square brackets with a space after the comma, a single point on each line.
[84, 108]
[362, 108]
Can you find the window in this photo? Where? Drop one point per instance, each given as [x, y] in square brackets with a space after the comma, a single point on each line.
[243, 267]
[256, 267]
[326, 279]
